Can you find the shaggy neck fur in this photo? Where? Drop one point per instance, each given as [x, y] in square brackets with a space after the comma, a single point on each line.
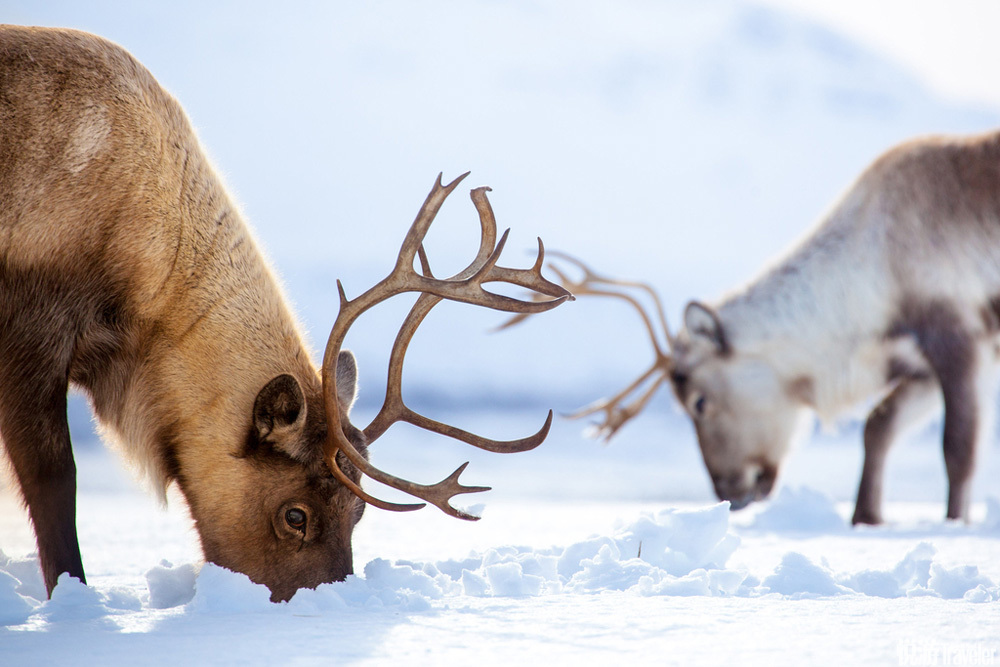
[822, 314]
[208, 332]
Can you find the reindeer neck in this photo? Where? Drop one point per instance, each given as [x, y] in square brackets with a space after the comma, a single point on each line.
[209, 338]
[820, 314]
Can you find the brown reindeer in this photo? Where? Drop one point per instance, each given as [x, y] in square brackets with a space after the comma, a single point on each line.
[126, 270]
[893, 298]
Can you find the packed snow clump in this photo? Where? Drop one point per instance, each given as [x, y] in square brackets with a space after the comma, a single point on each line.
[170, 586]
[800, 510]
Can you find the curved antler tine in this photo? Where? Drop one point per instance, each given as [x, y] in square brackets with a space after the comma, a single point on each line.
[563, 278]
[615, 414]
[451, 487]
[425, 265]
[533, 279]
[498, 446]
[479, 277]
[342, 293]
[618, 416]
[488, 227]
[671, 338]
[418, 230]
[536, 270]
[589, 275]
[393, 407]
[516, 319]
[474, 294]
[539, 257]
[601, 404]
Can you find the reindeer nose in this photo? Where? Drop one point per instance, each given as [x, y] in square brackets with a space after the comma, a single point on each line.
[754, 482]
[739, 502]
[734, 489]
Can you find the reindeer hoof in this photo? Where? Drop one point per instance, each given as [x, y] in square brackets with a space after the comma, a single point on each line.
[866, 517]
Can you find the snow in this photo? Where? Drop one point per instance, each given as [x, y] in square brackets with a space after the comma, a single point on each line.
[681, 143]
[697, 582]
[799, 509]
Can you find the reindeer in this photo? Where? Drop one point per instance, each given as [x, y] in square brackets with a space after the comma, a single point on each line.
[126, 270]
[892, 300]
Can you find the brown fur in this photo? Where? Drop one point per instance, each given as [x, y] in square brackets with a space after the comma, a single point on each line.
[127, 270]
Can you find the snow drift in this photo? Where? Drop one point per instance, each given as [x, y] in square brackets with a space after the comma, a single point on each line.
[668, 553]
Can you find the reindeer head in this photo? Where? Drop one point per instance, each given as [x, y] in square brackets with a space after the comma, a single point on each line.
[744, 416]
[275, 512]
[304, 460]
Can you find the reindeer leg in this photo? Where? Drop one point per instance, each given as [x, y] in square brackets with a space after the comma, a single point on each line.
[35, 435]
[961, 421]
[951, 352]
[906, 406]
[960, 433]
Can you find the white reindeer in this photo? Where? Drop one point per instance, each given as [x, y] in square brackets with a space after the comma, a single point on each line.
[893, 298]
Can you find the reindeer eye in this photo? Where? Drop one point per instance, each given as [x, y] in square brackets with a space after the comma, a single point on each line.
[699, 406]
[296, 519]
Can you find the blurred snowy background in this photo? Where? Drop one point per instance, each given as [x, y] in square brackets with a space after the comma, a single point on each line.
[686, 144]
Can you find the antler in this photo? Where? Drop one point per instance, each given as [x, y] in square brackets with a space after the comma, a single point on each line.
[616, 412]
[466, 287]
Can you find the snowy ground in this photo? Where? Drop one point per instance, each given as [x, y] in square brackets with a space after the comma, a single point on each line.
[574, 559]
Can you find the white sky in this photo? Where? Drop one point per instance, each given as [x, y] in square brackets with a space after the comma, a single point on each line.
[953, 44]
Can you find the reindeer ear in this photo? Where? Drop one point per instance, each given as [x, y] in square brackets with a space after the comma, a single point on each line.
[702, 322]
[347, 380]
[279, 414]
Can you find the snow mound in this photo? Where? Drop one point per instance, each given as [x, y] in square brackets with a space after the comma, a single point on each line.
[958, 581]
[798, 577]
[171, 586]
[800, 509]
[219, 590]
[14, 607]
[992, 521]
[73, 602]
[28, 573]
